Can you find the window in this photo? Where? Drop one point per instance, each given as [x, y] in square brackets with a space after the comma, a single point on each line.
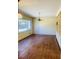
[24, 25]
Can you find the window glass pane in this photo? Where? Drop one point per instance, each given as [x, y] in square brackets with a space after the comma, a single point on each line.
[24, 25]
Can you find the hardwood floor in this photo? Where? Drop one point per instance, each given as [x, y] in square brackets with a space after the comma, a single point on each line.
[39, 47]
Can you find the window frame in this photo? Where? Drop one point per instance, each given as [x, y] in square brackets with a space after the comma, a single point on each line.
[25, 29]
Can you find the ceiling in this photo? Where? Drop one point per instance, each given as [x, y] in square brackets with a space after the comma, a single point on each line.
[45, 7]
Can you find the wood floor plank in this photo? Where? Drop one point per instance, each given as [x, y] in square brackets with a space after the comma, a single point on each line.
[39, 47]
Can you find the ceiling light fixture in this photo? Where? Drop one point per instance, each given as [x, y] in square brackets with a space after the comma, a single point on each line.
[39, 17]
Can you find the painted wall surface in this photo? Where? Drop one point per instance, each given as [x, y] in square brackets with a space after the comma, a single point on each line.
[58, 38]
[22, 35]
[58, 20]
[45, 26]
[58, 28]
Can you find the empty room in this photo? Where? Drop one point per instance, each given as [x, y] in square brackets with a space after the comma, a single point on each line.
[39, 29]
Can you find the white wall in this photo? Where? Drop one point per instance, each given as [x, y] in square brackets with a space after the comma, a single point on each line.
[58, 28]
[45, 26]
[58, 36]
